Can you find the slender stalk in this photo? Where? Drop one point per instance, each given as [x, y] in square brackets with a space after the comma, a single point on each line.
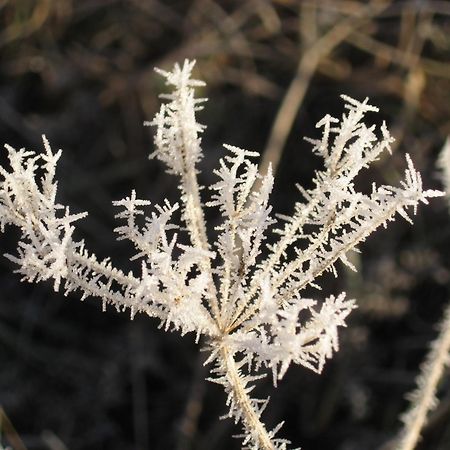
[423, 399]
[249, 417]
[194, 216]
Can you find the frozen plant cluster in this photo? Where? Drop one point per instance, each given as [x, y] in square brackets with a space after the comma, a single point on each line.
[243, 296]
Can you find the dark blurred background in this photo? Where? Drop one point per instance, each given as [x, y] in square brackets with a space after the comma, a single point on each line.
[81, 71]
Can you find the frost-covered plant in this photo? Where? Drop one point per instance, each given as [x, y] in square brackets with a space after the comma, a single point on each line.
[242, 295]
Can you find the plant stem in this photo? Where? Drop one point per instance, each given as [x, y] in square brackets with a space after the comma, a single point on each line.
[237, 389]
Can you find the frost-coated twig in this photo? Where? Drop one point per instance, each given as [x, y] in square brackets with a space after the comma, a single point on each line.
[244, 297]
[242, 407]
[423, 399]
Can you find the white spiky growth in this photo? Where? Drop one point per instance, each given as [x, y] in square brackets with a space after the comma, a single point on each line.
[243, 296]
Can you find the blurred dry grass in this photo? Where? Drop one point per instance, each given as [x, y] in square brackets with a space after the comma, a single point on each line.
[82, 72]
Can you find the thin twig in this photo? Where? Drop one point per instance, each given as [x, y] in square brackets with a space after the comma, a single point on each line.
[7, 429]
[392, 54]
[423, 400]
